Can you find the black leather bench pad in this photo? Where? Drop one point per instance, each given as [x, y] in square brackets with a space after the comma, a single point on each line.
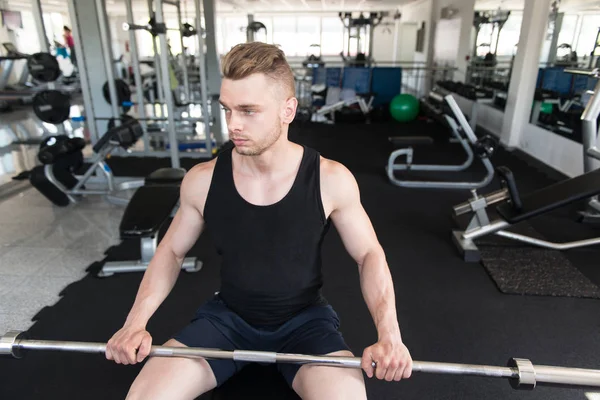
[149, 207]
[552, 197]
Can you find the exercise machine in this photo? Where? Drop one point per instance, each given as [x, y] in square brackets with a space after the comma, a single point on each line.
[477, 94]
[338, 99]
[359, 29]
[62, 157]
[514, 208]
[589, 133]
[147, 211]
[465, 136]
[497, 19]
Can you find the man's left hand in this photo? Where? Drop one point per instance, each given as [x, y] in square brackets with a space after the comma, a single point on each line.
[392, 359]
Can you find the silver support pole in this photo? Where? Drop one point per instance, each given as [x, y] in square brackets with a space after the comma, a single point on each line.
[183, 63]
[137, 75]
[371, 34]
[521, 372]
[108, 58]
[461, 118]
[546, 244]
[203, 83]
[250, 32]
[493, 227]
[83, 73]
[164, 60]
[157, 69]
[39, 25]
[589, 129]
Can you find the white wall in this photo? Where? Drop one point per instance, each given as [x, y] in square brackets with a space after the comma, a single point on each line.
[419, 12]
[554, 150]
[384, 37]
[453, 37]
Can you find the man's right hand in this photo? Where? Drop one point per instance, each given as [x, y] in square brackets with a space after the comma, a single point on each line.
[129, 345]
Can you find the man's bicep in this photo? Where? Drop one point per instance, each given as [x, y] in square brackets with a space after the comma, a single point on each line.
[351, 220]
[188, 223]
[186, 227]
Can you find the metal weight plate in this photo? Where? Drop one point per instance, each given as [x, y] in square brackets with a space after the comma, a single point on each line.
[124, 119]
[43, 67]
[188, 30]
[123, 92]
[52, 106]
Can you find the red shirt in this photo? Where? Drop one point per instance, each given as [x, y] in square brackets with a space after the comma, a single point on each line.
[69, 40]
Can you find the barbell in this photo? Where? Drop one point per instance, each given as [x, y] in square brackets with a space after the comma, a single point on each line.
[521, 373]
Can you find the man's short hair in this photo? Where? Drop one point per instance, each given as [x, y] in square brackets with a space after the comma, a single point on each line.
[246, 59]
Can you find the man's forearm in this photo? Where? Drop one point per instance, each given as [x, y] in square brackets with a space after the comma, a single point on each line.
[156, 285]
[378, 290]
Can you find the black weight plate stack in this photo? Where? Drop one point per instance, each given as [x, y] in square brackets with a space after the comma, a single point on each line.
[52, 106]
[43, 67]
[123, 91]
[124, 119]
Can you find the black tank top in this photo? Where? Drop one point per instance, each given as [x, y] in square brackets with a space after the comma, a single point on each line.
[271, 254]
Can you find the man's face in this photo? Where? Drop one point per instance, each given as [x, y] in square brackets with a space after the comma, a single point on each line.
[256, 110]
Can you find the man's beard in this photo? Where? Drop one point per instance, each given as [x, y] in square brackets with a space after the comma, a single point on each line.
[260, 148]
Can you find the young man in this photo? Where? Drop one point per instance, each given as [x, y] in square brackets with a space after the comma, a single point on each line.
[268, 203]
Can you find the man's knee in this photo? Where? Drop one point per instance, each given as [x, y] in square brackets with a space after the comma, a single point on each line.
[172, 378]
[314, 381]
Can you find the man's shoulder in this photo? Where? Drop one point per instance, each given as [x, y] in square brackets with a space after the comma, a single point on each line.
[333, 170]
[197, 180]
[202, 170]
[336, 178]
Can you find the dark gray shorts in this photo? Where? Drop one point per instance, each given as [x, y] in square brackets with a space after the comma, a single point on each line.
[314, 331]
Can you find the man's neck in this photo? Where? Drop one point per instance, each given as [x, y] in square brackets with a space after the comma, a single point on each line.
[273, 161]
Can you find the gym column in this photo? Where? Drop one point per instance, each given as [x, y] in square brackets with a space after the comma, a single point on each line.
[525, 69]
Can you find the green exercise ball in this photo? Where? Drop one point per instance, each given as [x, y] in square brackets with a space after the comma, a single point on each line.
[404, 107]
[546, 108]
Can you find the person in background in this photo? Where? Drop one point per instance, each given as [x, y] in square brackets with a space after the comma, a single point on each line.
[70, 43]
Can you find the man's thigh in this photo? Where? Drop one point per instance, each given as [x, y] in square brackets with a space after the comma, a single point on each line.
[172, 378]
[330, 383]
[316, 332]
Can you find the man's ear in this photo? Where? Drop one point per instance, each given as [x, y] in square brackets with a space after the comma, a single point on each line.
[289, 110]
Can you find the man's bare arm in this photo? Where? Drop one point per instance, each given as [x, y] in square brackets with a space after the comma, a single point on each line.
[164, 268]
[132, 343]
[360, 240]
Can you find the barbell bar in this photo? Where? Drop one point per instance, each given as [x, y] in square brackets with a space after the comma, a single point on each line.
[521, 373]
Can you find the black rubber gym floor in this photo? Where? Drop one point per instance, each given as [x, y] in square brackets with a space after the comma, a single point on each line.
[448, 310]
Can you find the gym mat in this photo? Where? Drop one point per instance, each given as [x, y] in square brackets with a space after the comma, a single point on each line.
[519, 268]
[534, 271]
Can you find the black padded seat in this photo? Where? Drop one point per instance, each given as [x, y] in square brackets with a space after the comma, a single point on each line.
[152, 204]
[148, 209]
[410, 140]
[166, 175]
[552, 197]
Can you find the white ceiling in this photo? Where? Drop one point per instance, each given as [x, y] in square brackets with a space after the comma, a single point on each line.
[117, 7]
[564, 5]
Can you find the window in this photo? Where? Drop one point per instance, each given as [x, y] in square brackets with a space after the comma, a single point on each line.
[234, 32]
[284, 35]
[220, 35]
[567, 30]
[308, 32]
[332, 36]
[268, 23]
[484, 40]
[24, 40]
[173, 36]
[589, 31]
[509, 35]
